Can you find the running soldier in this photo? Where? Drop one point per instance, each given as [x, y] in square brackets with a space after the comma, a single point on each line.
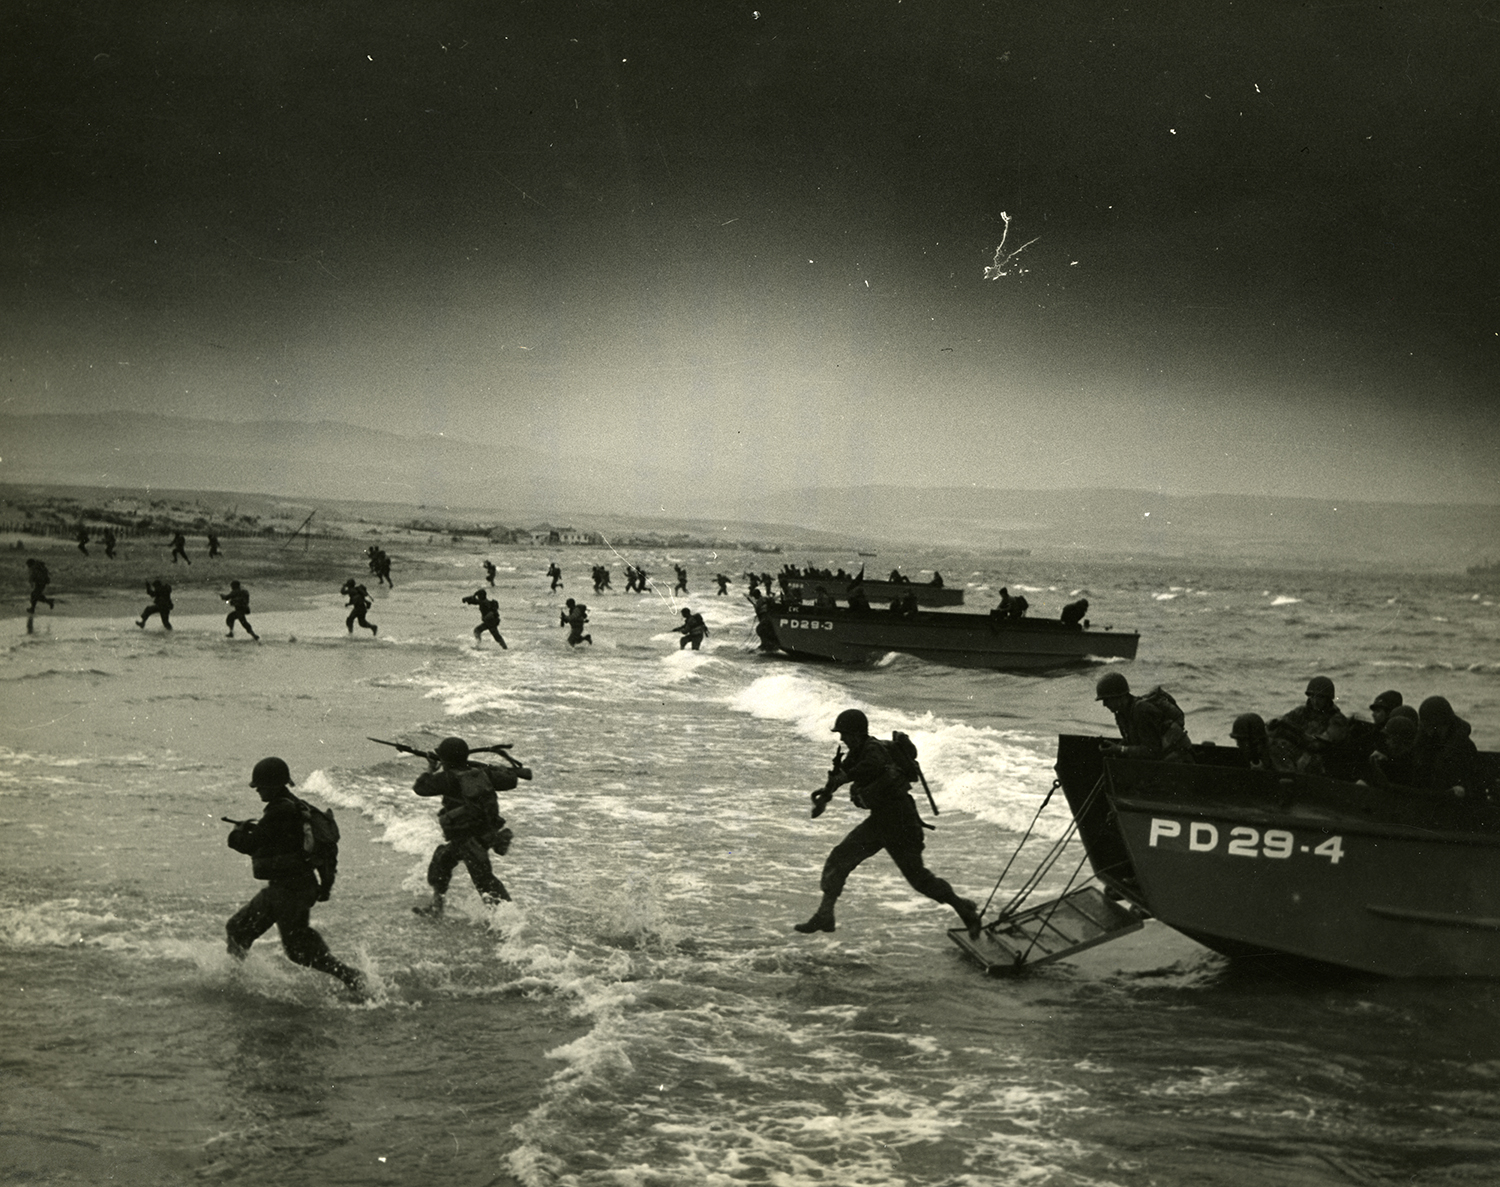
[280, 855]
[470, 819]
[357, 597]
[239, 609]
[160, 593]
[880, 786]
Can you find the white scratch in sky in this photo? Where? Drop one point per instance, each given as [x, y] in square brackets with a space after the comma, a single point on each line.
[1002, 265]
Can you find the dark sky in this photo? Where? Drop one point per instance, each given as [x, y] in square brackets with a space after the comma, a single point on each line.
[749, 243]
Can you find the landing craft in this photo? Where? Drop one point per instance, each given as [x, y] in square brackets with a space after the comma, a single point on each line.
[945, 637]
[1262, 864]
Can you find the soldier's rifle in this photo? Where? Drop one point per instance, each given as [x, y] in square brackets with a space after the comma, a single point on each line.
[503, 749]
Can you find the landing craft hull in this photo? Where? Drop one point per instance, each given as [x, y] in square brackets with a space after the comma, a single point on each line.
[879, 592]
[1393, 882]
[959, 640]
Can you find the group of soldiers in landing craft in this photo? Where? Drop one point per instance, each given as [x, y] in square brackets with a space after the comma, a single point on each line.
[1428, 748]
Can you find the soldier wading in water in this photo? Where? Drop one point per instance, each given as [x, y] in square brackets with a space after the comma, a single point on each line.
[470, 819]
[296, 877]
[880, 786]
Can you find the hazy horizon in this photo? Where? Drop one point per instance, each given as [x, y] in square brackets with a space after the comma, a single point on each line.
[1245, 252]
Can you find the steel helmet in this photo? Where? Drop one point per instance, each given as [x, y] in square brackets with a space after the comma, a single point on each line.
[1248, 725]
[1320, 686]
[1390, 699]
[1111, 684]
[1435, 711]
[453, 750]
[1400, 727]
[851, 721]
[271, 772]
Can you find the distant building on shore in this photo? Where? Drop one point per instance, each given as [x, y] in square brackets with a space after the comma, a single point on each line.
[547, 534]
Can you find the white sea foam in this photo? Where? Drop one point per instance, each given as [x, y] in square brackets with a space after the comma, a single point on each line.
[1284, 600]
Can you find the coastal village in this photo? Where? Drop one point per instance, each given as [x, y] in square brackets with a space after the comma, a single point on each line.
[62, 512]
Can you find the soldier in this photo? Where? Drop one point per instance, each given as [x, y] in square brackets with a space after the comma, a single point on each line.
[277, 845]
[213, 545]
[1253, 743]
[83, 539]
[574, 617]
[1446, 758]
[489, 617]
[879, 785]
[160, 594]
[681, 586]
[1381, 706]
[109, 543]
[1150, 726]
[556, 574]
[489, 573]
[723, 583]
[1303, 736]
[39, 578]
[239, 609]
[693, 629]
[179, 548]
[357, 597]
[470, 819]
[1394, 762]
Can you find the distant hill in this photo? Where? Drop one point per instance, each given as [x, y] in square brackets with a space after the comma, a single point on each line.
[319, 460]
[1250, 529]
[331, 460]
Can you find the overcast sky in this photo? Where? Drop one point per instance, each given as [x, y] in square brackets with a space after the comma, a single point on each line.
[749, 241]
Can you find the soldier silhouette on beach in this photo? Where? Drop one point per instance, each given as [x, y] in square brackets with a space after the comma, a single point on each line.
[239, 603]
[160, 594]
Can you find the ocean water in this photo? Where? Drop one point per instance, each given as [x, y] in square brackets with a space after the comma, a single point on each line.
[642, 1013]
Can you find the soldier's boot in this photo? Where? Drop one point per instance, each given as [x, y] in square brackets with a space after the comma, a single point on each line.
[822, 919]
[968, 912]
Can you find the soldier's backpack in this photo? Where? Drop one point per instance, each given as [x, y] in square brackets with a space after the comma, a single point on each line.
[1175, 738]
[904, 755]
[1164, 701]
[320, 839]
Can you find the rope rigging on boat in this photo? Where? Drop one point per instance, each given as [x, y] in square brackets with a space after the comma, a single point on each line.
[1078, 917]
[1048, 860]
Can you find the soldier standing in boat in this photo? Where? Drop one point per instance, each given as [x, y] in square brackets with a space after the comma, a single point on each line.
[1150, 726]
[1304, 735]
[1446, 758]
[1394, 759]
[878, 785]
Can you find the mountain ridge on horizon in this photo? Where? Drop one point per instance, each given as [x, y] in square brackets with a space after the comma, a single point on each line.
[298, 459]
